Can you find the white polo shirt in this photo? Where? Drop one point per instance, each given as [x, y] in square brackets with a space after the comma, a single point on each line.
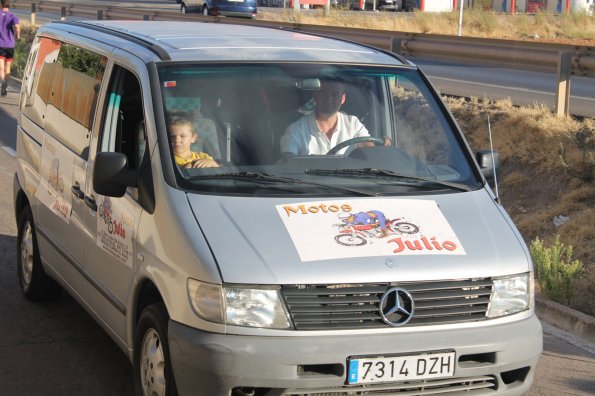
[304, 137]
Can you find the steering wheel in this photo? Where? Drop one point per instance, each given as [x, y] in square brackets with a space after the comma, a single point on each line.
[352, 141]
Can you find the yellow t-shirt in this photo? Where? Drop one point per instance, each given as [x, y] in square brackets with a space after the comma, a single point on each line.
[195, 156]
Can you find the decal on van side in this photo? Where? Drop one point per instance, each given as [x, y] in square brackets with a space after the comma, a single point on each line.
[114, 229]
[55, 178]
[334, 229]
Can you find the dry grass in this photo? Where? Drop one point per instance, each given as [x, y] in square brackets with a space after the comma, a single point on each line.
[476, 23]
[535, 187]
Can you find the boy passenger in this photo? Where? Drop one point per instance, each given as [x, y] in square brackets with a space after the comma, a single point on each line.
[182, 135]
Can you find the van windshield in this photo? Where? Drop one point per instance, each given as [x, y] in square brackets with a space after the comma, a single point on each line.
[308, 129]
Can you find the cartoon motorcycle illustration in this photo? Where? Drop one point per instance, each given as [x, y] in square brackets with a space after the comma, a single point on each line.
[350, 235]
[105, 212]
[356, 229]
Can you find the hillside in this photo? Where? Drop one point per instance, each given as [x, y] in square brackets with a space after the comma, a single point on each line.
[535, 185]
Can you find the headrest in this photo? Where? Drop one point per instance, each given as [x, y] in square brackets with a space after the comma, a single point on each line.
[186, 104]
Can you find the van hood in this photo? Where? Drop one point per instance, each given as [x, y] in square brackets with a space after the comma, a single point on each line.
[352, 240]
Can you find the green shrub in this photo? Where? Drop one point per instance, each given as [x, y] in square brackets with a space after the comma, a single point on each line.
[555, 272]
[21, 50]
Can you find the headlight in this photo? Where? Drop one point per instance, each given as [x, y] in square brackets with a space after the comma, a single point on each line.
[510, 295]
[255, 308]
[238, 306]
[206, 300]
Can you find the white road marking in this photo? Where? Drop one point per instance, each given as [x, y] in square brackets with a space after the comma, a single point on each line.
[506, 87]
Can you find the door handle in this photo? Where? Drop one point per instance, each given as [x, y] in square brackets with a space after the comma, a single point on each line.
[76, 190]
[90, 202]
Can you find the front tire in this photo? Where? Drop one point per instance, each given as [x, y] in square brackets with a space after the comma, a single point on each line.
[183, 9]
[205, 11]
[153, 373]
[405, 227]
[349, 240]
[36, 285]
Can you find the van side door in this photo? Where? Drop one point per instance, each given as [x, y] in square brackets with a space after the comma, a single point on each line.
[59, 99]
[110, 238]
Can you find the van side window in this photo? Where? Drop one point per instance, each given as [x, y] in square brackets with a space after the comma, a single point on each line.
[124, 122]
[29, 76]
[62, 91]
[43, 50]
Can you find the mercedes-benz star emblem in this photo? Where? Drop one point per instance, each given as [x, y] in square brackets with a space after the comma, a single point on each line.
[396, 306]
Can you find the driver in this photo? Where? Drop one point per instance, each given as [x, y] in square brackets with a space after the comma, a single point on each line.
[322, 130]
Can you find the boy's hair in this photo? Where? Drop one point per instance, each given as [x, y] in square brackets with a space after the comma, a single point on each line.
[5, 3]
[179, 119]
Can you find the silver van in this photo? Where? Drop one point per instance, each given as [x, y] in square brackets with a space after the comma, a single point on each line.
[251, 211]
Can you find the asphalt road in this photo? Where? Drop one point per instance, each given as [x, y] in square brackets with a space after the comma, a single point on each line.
[521, 86]
[57, 349]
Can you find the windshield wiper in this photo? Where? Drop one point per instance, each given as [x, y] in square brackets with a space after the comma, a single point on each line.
[384, 173]
[261, 178]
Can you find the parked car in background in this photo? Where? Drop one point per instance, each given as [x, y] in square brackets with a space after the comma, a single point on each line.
[236, 8]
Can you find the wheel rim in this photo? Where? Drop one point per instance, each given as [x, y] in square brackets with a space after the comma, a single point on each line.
[183, 9]
[152, 364]
[205, 11]
[26, 255]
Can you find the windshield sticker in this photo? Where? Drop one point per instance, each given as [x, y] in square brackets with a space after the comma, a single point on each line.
[114, 229]
[333, 229]
[54, 184]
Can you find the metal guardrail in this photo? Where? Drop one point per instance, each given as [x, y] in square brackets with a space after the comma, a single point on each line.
[565, 60]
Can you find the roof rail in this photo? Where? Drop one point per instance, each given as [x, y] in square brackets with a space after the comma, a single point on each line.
[154, 48]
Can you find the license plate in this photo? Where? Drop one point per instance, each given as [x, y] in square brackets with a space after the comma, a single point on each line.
[364, 370]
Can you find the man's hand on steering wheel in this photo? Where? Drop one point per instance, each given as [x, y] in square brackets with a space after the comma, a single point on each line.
[363, 139]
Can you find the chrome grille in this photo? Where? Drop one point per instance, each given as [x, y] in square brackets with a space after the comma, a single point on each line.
[468, 385]
[322, 307]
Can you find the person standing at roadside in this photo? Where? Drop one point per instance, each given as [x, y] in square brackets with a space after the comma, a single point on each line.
[10, 31]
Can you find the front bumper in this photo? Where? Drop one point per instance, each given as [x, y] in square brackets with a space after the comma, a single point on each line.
[216, 364]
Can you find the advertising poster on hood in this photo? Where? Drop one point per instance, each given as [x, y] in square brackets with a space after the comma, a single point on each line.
[55, 178]
[115, 226]
[361, 228]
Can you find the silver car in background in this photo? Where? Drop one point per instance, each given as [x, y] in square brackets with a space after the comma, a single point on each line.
[385, 265]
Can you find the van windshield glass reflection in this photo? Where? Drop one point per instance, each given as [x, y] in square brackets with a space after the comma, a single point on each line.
[300, 121]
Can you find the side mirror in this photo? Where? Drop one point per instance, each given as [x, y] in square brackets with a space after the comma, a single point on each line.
[111, 175]
[488, 161]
